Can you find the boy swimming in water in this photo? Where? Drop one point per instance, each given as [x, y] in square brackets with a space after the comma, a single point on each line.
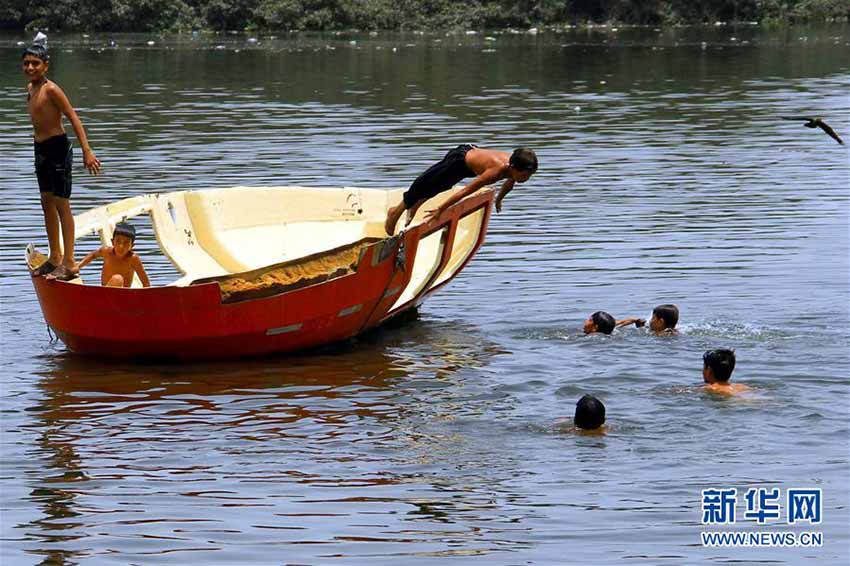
[486, 165]
[119, 261]
[717, 367]
[47, 104]
[664, 319]
[601, 321]
[590, 413]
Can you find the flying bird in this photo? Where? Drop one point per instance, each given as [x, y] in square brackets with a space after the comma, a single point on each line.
[816, 123]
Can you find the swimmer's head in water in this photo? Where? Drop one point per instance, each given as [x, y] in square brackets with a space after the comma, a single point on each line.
[524, 161]
[718, 365]
[600, 321]
[590, 413]
[125, 229]
[664, 317]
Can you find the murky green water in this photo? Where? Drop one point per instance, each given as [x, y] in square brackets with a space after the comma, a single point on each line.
[666, 176]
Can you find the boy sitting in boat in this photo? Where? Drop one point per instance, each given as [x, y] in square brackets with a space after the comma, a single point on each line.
[119, 261]
[47, 104]
[486, 165]
[717, 367]
[601, 321]
[664, 319]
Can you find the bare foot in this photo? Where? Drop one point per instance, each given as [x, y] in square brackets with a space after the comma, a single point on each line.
[392, 219]
[44, 269]
[64, 273]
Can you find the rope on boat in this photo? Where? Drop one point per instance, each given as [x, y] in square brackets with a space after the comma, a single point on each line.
[53, 337]
[398, 265]
[400, 259]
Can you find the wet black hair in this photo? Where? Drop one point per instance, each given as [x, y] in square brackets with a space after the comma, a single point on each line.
[604, 322]
[721, 362]
[668, 313]
[590, 413]
[125, 229]
[523, 159]
[37, 50]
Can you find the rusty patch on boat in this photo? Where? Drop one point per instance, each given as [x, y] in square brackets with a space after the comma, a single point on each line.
[290, 275]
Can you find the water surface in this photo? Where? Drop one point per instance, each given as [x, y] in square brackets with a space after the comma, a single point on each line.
[666, 176]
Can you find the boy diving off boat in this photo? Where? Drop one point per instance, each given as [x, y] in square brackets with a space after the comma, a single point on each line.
[47, 104]
[119, 261]
[487, 166]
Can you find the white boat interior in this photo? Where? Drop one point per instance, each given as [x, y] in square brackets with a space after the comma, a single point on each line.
[210, 233]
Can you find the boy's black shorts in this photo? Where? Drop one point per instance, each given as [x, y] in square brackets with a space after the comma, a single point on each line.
[53, 159]
[441, 176]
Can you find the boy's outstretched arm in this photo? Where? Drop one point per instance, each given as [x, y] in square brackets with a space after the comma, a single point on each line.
[638, 322]
[488, 177]
[506, 188]
[58, 97]
[88, 259]
[140, 271]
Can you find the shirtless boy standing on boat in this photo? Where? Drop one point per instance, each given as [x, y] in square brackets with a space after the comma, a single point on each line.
[486, 165]
[119, 261]
[47, 104]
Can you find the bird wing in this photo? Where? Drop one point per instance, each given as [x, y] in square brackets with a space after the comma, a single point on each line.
[825, 127]
[797, 118]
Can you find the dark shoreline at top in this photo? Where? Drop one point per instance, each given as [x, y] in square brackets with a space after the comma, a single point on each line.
[391, 15]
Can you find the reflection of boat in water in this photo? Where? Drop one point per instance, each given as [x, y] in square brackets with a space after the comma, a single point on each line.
[91, 390]
[298, 425]
[263, 270]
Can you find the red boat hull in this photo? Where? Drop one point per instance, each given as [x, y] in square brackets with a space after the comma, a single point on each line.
[192, 323]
